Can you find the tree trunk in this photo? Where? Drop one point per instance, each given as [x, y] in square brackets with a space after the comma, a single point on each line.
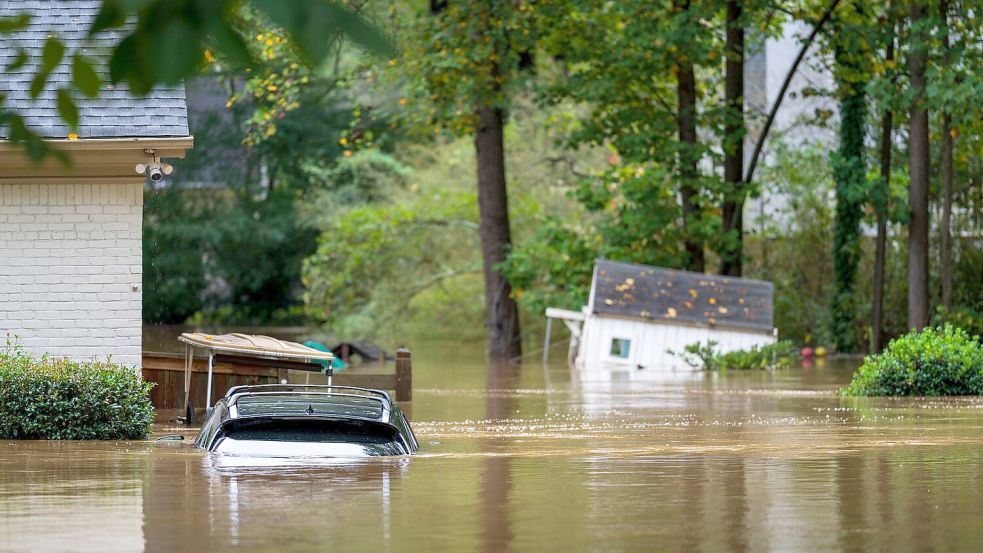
[501, 313]
[688, 157]
[733, 208]
[918, 149]
[881, 194]
[849, 172]
[945, 230]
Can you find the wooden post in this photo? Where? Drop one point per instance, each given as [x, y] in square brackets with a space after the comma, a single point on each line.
[546, 341]
[189, 410]
[404, 375]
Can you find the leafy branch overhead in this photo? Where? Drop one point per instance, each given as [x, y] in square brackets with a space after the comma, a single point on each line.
[166, 41]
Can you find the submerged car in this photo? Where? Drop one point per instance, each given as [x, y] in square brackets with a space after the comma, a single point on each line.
[282, 420]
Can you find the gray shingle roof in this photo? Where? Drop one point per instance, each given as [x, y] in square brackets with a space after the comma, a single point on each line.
[671, 296]
[114, 113]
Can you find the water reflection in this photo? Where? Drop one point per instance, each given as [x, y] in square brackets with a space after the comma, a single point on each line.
[496, 478]
[710, 462]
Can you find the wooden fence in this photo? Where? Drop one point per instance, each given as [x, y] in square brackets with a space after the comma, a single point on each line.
[166, 370]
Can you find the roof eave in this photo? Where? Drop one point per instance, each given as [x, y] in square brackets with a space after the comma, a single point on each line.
[92, 160]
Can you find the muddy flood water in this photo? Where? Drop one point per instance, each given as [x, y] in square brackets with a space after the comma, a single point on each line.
[543, 460]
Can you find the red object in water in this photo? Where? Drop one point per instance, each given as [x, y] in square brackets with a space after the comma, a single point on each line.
[806, 352]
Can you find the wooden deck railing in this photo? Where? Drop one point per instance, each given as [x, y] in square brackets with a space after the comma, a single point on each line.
[166, 370]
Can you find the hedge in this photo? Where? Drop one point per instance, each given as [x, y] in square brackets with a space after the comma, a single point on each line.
[59, 399]
[942, 361]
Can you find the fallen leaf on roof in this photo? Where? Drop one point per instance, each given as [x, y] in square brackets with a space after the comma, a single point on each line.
[671, 313]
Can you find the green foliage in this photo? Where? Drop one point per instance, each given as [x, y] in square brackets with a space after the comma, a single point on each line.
[60, 399]
[464, 55]
[968, 282]
[192, 33]
[963, 317]
[409, 259]
[552, 268]
[174, 233]
[934, 362]
[791, 243]
[705, 356]
[771, 356]
[373, 261]
[224, 255]
[700, 355]
[967, 311]
[258, 249]
[366, 176]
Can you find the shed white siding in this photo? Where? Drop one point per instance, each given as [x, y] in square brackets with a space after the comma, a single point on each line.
[71, 269]
[650, 340]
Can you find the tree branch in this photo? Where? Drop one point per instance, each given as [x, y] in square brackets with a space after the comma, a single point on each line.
[571, 164]
[781, 93]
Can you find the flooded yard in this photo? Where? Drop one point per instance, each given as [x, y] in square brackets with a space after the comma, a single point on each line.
[535, 459]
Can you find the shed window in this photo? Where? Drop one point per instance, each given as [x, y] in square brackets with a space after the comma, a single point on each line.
[620, 347]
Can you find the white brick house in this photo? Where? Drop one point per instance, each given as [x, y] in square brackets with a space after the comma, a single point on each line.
[70, 236]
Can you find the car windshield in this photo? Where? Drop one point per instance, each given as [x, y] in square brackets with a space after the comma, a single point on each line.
[310, 404]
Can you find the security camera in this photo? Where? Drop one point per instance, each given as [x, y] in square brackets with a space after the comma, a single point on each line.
[156, 174]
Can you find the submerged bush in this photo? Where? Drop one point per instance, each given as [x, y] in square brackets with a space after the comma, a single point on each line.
[943, 361]
[60, 399]
[704, 356]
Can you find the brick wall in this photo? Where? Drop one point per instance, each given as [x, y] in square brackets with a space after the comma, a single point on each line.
[70, 269]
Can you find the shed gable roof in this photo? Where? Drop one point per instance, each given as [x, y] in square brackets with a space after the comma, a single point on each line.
[672, 296]
[114, 113]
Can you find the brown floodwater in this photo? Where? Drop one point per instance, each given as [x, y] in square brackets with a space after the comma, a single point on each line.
[543, 459]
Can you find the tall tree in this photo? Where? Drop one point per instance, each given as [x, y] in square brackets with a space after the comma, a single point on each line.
[918, 160]
[644, 101]
[849, 172]
[501, 312]
[733, 140]
[879, 195]
[945, 155]
[461, 65]
[689, 151]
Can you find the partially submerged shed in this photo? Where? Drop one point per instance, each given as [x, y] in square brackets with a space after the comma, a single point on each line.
[70, 236]
[636, 314]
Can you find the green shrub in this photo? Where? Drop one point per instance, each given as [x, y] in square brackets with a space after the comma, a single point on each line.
[61, 399]
[943, 361]
[704, 356]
